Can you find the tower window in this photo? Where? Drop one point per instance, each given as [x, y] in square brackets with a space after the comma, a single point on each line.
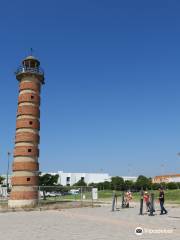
[29, 150]
[30, 122]
[28, 179]
[32, 97]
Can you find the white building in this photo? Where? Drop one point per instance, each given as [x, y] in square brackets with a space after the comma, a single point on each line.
[72, 178]
[4, 182]
[129, 178]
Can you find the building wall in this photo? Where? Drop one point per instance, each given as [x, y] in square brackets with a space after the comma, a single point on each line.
[166, 178]
[72, 178]
[129, 178]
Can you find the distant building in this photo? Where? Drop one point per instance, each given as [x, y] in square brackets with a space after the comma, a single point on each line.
[129, 178]
[72, 178]
[166, 178]
[69, 179]
[4, 182]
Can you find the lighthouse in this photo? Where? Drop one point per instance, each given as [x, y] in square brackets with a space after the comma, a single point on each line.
[25, 165]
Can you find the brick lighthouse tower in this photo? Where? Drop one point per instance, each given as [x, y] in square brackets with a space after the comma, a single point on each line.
[25, 165]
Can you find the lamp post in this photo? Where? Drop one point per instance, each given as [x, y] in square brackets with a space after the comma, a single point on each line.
[7, 176]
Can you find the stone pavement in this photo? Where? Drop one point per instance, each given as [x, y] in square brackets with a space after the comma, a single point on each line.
[88, 224]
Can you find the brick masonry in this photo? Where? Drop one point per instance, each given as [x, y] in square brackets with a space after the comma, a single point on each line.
[28, 123]
[25, 180]
[26, 137]
[26, 152]
[28, 110]
[29, 85]
[29, 97]
[25, 166]
[24, 195]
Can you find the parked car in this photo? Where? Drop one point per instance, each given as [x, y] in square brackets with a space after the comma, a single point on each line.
[74, 191]
[51, 194]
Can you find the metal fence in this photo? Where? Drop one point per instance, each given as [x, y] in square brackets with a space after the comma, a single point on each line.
[4, 195]
[58, 196]
[68, 196]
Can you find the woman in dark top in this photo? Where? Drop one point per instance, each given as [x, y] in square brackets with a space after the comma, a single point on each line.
[161, 201]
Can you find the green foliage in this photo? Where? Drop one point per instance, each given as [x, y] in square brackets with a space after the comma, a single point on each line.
[1, 179]
[143, 182]
[172, 185]
[80, 183]
[48, 180]
[128, 184]
[107, 185]
[117, 183]
[155, 186]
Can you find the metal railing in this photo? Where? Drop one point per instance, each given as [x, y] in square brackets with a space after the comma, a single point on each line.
[56, 196]
[24, 69]
[69, 196]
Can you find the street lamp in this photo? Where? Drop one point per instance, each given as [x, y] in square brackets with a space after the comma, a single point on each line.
[7, 176]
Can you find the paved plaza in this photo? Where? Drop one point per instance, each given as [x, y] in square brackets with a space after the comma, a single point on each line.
[89, 224]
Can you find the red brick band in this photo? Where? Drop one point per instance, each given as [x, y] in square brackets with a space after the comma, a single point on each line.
[23, 166]
[30, 151]
[25, 181]
[24, 195]
[29, 86]
[27, 137]
[28, 123]
[28, 110]
[29, 97]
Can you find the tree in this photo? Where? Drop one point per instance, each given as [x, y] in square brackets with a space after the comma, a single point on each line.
[156, 186]
[93, 185]
[128, 184]
[143, 182]
[1, 179]
[172, 185]
[80, 183]
[46, 181]
[117, 183]
[107, 185]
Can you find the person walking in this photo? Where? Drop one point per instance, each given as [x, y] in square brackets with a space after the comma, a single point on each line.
[161, 201]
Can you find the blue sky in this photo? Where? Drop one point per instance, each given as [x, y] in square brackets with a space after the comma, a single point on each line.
[111, 101]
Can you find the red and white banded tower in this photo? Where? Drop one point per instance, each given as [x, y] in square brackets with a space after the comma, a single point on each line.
[26, 152]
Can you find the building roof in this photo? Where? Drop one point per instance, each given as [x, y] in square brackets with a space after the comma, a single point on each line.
[168, 176]
[30, 57]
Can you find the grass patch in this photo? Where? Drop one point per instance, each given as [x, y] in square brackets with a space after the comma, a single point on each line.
[171, 196]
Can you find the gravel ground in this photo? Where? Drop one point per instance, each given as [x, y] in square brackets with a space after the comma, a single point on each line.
[88, 224]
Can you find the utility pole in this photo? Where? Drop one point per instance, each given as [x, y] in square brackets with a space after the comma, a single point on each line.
[7, 176]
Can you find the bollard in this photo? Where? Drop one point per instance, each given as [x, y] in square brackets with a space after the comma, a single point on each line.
[151, 213]
[141, 203]
[81, 193]
[113, 201]
[123, 201]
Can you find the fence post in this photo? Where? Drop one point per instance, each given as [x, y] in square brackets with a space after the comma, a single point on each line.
[123, 202]
[92, 197]
[113, 201]
[141, 202]
[81, 197]
[39, 196]
[151, 213]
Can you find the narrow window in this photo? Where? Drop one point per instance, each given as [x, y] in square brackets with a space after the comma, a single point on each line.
[29, 150]
[32, 97]
[30, 122]
[28, 179]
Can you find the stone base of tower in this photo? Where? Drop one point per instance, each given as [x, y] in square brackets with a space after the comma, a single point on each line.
[30, 203]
